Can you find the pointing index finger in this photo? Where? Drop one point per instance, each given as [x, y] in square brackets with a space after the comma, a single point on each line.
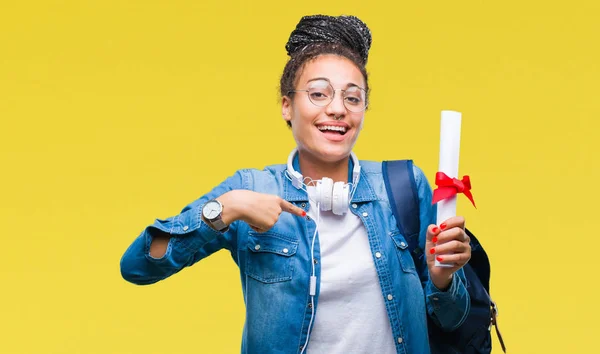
[291, 208]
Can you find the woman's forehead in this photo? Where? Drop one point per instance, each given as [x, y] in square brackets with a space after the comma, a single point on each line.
[339, 71]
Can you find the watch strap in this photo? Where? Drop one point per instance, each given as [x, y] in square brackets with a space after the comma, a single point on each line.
[219, 225]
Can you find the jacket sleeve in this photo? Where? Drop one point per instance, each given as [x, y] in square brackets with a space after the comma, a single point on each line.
[448, 309]
[191, 240]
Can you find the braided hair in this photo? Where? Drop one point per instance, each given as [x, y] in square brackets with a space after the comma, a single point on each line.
[346, 36]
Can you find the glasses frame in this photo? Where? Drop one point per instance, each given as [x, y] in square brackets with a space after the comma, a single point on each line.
[333, 97]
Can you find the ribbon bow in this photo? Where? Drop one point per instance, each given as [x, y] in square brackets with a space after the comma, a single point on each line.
[449, 187]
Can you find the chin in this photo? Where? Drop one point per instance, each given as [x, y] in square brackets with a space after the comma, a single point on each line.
[326, 151]
[333, 153]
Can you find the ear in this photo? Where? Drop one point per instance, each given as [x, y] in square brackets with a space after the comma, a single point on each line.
[286, 108]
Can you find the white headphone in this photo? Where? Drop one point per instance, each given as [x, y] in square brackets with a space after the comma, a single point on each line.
[330, 196]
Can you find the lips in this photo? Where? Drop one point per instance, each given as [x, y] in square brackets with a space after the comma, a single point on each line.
[334, 135]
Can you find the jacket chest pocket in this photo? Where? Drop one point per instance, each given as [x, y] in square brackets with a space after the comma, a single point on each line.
[406, 260]
[270, 257]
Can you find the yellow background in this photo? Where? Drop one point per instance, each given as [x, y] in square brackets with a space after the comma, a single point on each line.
[114, 113]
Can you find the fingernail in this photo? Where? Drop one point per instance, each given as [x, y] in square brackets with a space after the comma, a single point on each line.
[432, 251]
[439, 259]
[442, 226]
[434, 239]
[435, 229]
[303, 213]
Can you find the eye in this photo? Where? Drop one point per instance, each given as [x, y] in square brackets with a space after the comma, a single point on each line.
[353, 100]
[319, 94]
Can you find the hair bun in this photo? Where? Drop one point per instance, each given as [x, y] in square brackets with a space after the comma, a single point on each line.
[348, 31]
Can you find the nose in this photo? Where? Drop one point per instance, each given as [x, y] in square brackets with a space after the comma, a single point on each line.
[336, 108]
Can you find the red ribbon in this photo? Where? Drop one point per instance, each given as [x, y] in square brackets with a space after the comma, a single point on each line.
[449, 187]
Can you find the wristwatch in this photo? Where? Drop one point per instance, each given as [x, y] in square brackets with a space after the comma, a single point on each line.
[212, 213]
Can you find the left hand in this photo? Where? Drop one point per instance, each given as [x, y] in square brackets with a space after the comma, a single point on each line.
[449, 243]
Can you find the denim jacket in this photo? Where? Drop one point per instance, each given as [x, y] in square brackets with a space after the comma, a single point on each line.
[275, 266]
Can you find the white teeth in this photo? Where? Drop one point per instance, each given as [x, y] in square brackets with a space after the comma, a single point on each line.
[332, 127]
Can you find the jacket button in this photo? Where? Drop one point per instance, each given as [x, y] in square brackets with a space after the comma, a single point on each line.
[365, 214]
[285, 250]
[390, 297]
[185, 228]
[354, 205]
[310, 305]
[303, 205]
[377, 254]
[257, 247]
[399, 339]
[315, 261]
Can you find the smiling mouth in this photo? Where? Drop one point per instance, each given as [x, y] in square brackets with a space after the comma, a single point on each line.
[332, 129]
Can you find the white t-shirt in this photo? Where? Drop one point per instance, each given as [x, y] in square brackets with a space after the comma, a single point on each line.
[351, 315]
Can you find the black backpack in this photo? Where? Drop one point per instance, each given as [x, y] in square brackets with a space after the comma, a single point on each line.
[473, 336]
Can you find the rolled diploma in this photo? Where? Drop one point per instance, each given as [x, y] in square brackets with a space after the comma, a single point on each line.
[449, 154]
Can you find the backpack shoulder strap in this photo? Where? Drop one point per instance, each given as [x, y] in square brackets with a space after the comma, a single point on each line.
[401, 188]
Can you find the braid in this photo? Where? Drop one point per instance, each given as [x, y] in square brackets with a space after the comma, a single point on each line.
[348, 31]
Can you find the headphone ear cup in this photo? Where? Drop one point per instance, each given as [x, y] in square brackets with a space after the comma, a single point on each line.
[318, 187]
[340, 198]
[346, 197]
[325, 193]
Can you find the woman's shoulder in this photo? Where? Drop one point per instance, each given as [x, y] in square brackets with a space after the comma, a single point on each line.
[374, 169]
[252, 178]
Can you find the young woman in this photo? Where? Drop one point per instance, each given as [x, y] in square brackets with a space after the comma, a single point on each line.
[324, 268]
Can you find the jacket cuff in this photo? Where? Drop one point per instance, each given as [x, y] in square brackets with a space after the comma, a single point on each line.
[187, 230]
[449, 307]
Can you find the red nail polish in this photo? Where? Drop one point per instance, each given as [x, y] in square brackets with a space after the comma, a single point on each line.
[442, 226]
[439, 259]
[434, 230]
[303, 213]
[432, 251]
[434, 239]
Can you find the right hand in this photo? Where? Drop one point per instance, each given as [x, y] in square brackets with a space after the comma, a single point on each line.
[259, 210]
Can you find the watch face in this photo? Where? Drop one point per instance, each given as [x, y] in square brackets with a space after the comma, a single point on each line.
[211, 210]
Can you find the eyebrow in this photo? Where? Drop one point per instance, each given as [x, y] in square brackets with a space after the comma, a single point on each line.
[350, 84]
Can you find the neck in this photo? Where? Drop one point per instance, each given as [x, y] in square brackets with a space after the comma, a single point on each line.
[317, 169]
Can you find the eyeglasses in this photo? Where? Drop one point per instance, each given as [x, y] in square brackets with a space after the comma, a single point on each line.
[321, 94]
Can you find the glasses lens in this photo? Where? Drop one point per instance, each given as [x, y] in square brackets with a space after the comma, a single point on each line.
[320, 93]
[355, 99]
